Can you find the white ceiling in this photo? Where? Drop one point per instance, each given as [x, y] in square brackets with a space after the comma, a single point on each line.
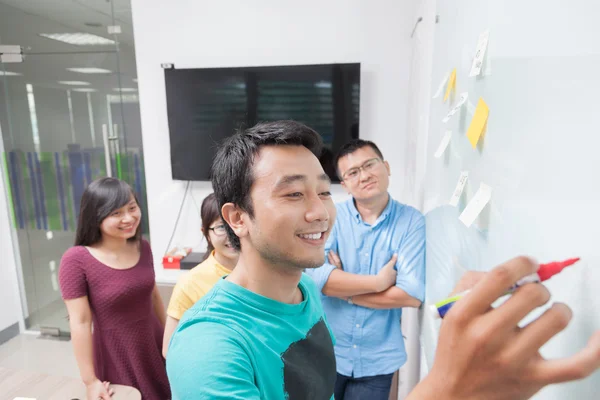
[73, 14]
[22, 20]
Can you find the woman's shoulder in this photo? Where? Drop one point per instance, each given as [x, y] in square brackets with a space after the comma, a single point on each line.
[74, 254]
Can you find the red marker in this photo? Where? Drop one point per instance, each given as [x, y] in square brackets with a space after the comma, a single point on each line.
[547, 271]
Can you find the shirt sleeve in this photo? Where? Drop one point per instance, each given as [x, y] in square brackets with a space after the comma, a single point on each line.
[206, 361]
[411, 260]
[180, 300]
[321, 275]
[71, 275]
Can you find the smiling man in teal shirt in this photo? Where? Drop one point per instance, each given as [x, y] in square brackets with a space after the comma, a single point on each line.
[376, 255]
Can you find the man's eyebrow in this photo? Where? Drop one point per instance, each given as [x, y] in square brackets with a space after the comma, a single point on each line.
[325, 177]
[289, 179]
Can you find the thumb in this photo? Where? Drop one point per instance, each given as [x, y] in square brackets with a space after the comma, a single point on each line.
[393, 259]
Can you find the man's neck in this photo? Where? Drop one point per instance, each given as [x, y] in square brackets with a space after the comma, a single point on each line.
[371, 209]
[275, 282]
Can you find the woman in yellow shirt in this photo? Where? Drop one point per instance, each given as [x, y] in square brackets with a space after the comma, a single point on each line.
[220, 261]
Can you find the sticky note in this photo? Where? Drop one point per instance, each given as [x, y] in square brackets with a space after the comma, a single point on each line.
[476, 205]
[443, 144]
[480, 53]
[478, 122]
[460, 186]
[451, 84]
[438, 92]
[463, 98]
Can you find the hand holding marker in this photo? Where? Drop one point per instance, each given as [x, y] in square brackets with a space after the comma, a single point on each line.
[545, 272]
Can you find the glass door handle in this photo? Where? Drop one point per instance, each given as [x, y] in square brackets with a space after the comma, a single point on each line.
[106, 150]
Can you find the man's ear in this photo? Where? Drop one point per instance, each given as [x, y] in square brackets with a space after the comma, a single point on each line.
[234, 217]
[345, 187]
[387, 166]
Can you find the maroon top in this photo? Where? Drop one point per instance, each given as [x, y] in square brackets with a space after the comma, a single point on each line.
[127, 335]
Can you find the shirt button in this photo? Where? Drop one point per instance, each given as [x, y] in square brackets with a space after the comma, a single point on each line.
[358, 325]
[354, 346]
[366, 254]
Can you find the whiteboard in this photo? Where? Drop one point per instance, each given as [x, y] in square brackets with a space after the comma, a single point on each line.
[541, 82]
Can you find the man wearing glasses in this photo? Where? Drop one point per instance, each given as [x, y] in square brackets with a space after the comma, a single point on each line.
[375, 265]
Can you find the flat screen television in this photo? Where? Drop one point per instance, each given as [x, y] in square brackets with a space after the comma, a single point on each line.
[205, 105]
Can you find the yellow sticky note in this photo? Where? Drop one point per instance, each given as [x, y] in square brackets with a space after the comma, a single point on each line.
[451, 84]
[478, 122]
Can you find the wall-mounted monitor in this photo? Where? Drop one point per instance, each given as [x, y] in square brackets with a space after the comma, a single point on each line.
[205, 105]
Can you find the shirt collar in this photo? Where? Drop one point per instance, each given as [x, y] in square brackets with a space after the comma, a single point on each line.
[384, 214]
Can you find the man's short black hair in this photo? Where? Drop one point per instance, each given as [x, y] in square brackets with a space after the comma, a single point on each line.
[231, 171]
[351, 147]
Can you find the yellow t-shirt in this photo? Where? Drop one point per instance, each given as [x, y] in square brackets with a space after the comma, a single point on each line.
[194, 285]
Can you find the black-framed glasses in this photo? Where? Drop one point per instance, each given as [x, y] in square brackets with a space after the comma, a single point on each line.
[218, 230]
[353, 173]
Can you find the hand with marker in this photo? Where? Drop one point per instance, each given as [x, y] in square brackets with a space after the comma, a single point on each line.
[482, 353]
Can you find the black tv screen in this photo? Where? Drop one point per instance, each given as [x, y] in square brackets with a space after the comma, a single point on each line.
[205, 105]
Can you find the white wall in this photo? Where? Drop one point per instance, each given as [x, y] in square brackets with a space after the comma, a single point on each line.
[268, 32]
[10, 312]
[415, 166]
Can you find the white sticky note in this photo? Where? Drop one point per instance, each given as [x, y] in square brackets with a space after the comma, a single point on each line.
[463, 98]
[443, 144]
[476, 205]
[438, 92]
[49, 235]
[460, 186]
[480, 53]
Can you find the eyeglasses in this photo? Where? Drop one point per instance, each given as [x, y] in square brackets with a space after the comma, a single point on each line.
[218, 230]
[353, 173]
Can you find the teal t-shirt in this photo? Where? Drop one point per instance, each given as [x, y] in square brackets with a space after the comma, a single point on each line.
[236, 344]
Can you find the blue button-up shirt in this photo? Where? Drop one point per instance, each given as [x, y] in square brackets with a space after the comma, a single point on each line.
[369, 341]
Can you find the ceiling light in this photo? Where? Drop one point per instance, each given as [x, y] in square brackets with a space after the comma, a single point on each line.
[126, 89]
[135, 80]
[79, 38]
[90, 70]
[8, 73]
[74, 83]
[84, 89]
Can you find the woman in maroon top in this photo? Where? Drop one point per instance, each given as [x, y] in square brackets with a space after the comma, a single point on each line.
[107, 280]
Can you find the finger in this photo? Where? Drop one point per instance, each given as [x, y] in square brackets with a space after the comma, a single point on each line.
[494, 285]
[330, 259]
[520, 304]
[540, 331]
[578, 366]
[336, 258]
[467, 281]
[393, 260]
